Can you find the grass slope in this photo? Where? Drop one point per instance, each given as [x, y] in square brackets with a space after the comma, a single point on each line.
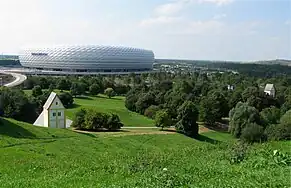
[104, 104]
[113, 105]
[40, 157]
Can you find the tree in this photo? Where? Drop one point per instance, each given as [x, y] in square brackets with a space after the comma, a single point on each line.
[66, 98]
[95, 89]
[241, 116]
[253, 133]
[286, 118]
[63, 84]
[15, 104]
[250, 92]
[113, 123]
[279, 132]
[109, 92]
[187, 119]
[144, 102]
[79, 119]
[28, 83]
[130, 101]
[36, 91]
[213, 107]
[151, 111]
[77, 89]
[235, 98]
[43, 82]
[163, 119]
[271, 115]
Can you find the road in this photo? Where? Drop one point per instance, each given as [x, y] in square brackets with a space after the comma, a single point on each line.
[19, 78]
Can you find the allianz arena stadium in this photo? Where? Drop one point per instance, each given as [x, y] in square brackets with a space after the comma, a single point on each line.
[87, 59]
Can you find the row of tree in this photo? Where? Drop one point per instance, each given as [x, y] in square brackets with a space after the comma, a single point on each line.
[163, 99]
[78, 85]
[14, 103]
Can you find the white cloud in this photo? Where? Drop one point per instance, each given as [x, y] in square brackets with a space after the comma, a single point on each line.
[177, 6]
[170, 8]
[288, 22]
[160, 20]
[219, 16]
[217, 2]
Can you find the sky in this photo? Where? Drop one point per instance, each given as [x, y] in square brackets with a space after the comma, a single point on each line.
[239, 30]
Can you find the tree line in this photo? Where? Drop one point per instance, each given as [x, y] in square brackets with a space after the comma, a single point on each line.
[182, 100]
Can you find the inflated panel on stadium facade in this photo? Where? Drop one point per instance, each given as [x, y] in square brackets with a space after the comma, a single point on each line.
[87, 57]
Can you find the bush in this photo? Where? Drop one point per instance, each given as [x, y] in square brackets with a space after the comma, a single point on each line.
[151, 111]
[66, 98]
[252, 133]
[241, 116]
[238, 152]
[89, 119]
[286, 118]
[270, 115]
[278, 132]
[79, 119]
[113, 122]
[95, 120]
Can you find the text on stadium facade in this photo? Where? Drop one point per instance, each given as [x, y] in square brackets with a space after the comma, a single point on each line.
[39, 54]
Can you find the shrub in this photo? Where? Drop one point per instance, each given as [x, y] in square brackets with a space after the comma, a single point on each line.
[79, 119]
[238, 153]
[95, 120]
[151, 111]
[286, 118]
[270, 115]
[278, 132]
[252, 133]
[113, 122]
[90, 119]
[241, 116]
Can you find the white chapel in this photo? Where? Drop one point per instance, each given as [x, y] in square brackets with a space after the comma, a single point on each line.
[53, 114]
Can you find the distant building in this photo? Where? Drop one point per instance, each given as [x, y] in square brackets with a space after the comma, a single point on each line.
[88, 59]
[230, 87]
[270, 90]
[53, 114]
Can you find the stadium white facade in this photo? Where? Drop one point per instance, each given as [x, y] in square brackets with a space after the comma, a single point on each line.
[87, 59]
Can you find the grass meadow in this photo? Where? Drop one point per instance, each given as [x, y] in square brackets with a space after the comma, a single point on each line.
[44, 157]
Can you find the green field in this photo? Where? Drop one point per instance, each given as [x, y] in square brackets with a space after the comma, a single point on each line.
[113, 105]
[41, 157]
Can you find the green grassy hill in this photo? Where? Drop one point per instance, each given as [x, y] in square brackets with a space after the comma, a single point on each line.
[40, 157]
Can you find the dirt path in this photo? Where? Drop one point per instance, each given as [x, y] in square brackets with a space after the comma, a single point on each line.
[138, 131]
